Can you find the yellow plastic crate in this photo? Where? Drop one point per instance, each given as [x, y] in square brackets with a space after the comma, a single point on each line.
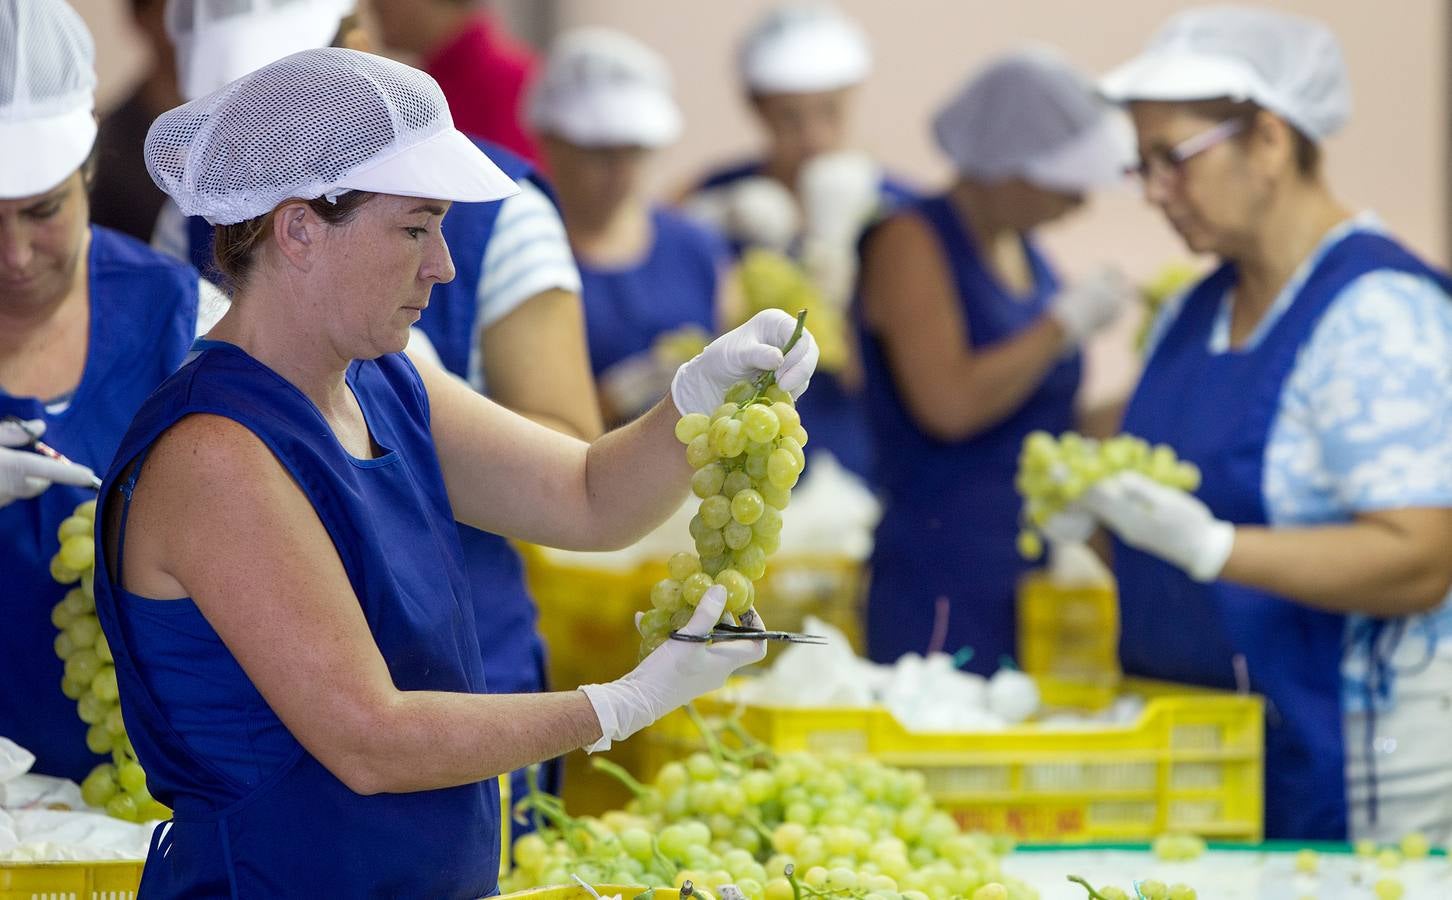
[1068, 639]
[587, 618]
[1192, 762]
[70, 880]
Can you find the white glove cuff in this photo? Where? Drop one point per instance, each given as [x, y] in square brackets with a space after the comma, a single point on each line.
[1212, 553]
[609, 725]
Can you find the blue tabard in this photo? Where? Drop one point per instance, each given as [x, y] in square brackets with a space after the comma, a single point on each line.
[143, 318]
[950, 510]
[299, 831]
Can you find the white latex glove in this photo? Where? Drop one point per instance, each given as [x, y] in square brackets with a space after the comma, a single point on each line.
[1164, 522]
[674, 674]
[634, 384]
[839, 192]
[1073, 525]
[761, 211]
[24, 474]
[743, 352]
[1092, 303]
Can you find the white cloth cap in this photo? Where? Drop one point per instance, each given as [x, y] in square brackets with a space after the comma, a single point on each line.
[317, 123]
[602, 88]
[1287, 64]
[218, 41]
[803, 49]
[47, 87]
[1030, 115]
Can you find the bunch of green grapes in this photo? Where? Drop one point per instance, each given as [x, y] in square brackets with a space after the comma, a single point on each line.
[771, 280]
[818, 826]
[90, 677]
[747, 456]
[1054, 473]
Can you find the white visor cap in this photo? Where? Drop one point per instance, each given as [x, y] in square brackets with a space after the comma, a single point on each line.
[1287, 64]
[47, 87]
[804, 49]
[317, 124]
[219, 41]
[1030, 115]
[602, 88]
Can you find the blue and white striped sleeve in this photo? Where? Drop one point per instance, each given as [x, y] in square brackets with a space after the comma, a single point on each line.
[528, 253]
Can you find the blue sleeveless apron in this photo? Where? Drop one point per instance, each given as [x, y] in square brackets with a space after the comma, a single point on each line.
[301, 831]
[672, 286]
[143, 319]
[833, 414]
[950, 510]
[1217, 411]
[515, 660]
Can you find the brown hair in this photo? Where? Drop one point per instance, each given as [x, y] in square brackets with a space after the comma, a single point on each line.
[234, 246]
[1308, 152]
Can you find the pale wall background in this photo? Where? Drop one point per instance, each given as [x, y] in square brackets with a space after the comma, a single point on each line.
[1391, 158]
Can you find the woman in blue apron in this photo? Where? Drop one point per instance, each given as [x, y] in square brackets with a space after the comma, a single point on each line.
[281, 578]
[92, 322]
[508, 323]
[970, 343]
[602, 105]
[1309, 378]
[807, 195]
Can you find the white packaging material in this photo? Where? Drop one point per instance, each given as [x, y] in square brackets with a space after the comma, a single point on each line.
[15, 760]
[44, 834]
[40, 792]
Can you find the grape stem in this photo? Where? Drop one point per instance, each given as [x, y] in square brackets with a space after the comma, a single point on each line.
[619, 774]
[767, 379]
[1093, 894]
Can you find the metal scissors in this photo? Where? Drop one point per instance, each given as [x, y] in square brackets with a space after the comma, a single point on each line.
[44, 449]
[725, 632]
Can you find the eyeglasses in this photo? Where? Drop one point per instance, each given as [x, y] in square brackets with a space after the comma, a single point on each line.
[1168, 165]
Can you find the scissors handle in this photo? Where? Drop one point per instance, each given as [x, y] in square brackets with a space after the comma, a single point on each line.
[44, 449]
[721, 634]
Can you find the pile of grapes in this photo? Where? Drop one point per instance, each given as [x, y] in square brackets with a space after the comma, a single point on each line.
[90, 677]
[773, 826]
[1054, 473]
[747, 456]
[770, 280]
[671, 349]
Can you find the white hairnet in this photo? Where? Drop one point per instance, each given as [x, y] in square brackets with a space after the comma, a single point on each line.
[218, 41]
[47, 82]
[315, 124]
[804, 48]
[1287, 64]
[1029, 115]
[603, 88]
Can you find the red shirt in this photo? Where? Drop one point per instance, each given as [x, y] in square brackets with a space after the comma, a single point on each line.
[484, 72]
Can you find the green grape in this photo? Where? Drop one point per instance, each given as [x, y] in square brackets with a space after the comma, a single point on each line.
[712, 544]
[776, 395]
[122, 806]
[1415, 845]
[1388, 889]
[714, 564]
[759, 448]
[84, 631]
[1180, 891]
[750, 561]
[666, 595]
[1389, 858]
[799, 435]
[1307, 861]
[92, 709]
[736, 535]
[98, 740]
[103, 648]
[115, 723]
[769, 543]
[992, 891]
[735, 483]
[100, 785]
[60, 617]
[707, 480]
[1030, 546]
[740, 392]
[724, 433]
[79, 602]
[782, 470]
[695, 587]
[75, 526]
[64, 646]
[699, 451]
[747, 506]
[738, 588]
[760, 422]
[73, 688]
[682, 566]
[770, 521]
[692, 425]
[83, 664]
[77, 553]
[697, 528]
[104, 685]
[795, 449]
[1151, 889]
[787, 416]
[60, 573]
[715, 511]
[755, 466]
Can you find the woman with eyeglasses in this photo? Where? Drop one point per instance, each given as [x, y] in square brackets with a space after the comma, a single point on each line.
[1310, 378]
[969, 343]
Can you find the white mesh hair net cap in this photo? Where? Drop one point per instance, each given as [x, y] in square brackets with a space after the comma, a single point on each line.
[218, 41]
[1030, 115]
[47, 83]
[603, 88]
[804, 48]
[314, 124]
[1287, 64]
